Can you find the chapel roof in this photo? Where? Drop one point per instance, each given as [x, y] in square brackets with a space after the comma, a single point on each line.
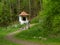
[23, 13]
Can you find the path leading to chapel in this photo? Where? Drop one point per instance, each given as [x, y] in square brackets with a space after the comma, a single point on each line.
[10, 37]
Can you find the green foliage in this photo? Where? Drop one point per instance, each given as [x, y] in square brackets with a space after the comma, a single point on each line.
[50, 15]
[10, 9]
[49, 22]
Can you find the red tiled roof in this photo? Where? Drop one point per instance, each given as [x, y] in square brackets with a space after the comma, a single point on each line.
[24, 14]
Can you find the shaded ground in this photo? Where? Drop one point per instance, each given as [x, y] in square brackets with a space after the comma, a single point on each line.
[10, 37]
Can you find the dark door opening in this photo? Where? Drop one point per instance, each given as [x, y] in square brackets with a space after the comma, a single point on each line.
[24, 18]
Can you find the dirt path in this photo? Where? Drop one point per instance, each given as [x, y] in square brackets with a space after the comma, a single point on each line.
[10, 37]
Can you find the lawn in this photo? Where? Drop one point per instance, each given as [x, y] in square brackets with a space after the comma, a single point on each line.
[35, 34]
[4, 31]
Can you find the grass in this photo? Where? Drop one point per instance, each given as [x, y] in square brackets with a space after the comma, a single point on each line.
[49, 27]
[4, 31]
[34, 33]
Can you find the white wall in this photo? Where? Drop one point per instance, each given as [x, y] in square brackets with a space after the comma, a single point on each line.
[21, 21]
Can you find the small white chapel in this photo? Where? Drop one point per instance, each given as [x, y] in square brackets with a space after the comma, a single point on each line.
[23, 18]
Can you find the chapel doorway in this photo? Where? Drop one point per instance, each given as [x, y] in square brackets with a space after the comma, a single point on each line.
[24, 18]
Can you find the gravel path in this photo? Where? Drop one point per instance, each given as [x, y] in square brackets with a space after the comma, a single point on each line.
[10, 37]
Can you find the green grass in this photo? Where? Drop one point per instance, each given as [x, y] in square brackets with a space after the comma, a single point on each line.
[37, 31]
[4, 31]
[48, 27]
